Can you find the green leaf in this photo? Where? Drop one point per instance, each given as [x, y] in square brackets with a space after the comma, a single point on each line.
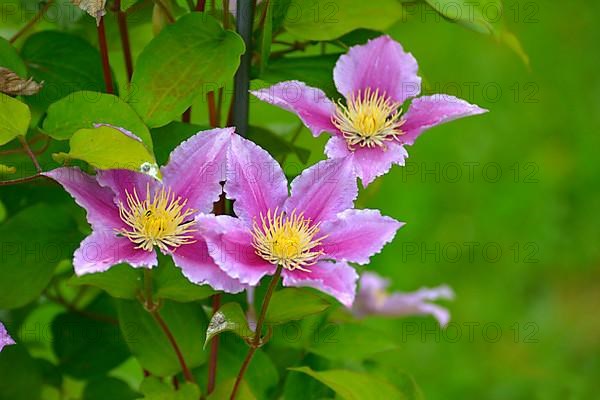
[224, 388]
[106, 147]
[350, 385]
[6, 170]
[293, 304]
[513, 43]
[349, 342]
[34, 241]
[84, 109]
[9, 58]
[86, 347]
[170, 136]
[65, 62]
[327, 20]
[21, 379]
[14, 118]
[266, 36]
[276, 145]
[154, 389]
[316, 71]
[149, 343]
[121, 281]
[229, 318]
[108, 388]
[169, 283]
[463, 12]
[187, 58]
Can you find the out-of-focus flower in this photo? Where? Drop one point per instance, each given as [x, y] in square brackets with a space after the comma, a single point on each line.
[5, 339]
[312, 233]
[374, 299]
[12, 84]
[131, 213]
[370, 128]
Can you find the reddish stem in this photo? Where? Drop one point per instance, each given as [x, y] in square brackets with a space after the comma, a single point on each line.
[213, 117]
[187, 115]
[104, 53]
[30, 154]
[20, 180]
[200, 5]
[124, 33]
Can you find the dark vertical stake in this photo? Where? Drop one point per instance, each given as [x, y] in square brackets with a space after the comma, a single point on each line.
[244, 19]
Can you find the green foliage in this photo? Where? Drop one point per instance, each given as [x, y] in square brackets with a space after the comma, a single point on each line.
[276, 145]
[65, 62]
[34, 241]
[121, 281]
[106, 147]
[293, 304]
[21, 378]
[14, 118]
[172, 71]
[9, 58]
[170, 284]
[149, 343]
[229, 318]
[84, 109]
[326, 20]
[108, 388]
[350, 385]
[154, 389]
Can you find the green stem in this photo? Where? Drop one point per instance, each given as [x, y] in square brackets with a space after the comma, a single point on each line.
[31, 22]
[256, 341]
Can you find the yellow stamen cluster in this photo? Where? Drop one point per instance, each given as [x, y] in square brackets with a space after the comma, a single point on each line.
[369, 119]
[287, 240]
[159, 220]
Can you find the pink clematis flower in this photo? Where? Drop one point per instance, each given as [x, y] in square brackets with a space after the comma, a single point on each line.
[369, 127]
[373, 299]
[312, 233]
[5, 339]
[131, 213]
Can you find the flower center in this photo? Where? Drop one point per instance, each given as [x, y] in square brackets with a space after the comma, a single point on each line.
[159, 220]
[287, 240]
[369, 119]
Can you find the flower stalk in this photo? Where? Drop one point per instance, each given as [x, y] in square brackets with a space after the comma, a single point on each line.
[31, 22]
[104, 53]
[124, 33]
[256, 340]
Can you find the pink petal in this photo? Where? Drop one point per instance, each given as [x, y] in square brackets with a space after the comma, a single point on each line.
[230, 245]
[356, 235]
[254, 180]
[310, 104]
[381, 64]
[197, 166]
[124, 180]
[5, 339]
[198, 266]
[323, 190]
[374, 300]
[87, 193]
[428, 111]
[103, 249]
[337, 279]
[369, 163]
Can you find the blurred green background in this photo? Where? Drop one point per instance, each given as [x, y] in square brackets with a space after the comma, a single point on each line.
[516, 233]
[502, 207]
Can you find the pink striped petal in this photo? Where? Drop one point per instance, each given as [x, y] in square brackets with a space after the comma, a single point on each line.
[103, 249]
[5, 339]
[337, 279]
[254, 180]
[324, 190]
[356, 235]
[381, 64]
[310, 104]
[197, 166]
[198, 266]
[368, 163]
[123, 181]
[98, 201]
[428, 111]
[230, 245]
